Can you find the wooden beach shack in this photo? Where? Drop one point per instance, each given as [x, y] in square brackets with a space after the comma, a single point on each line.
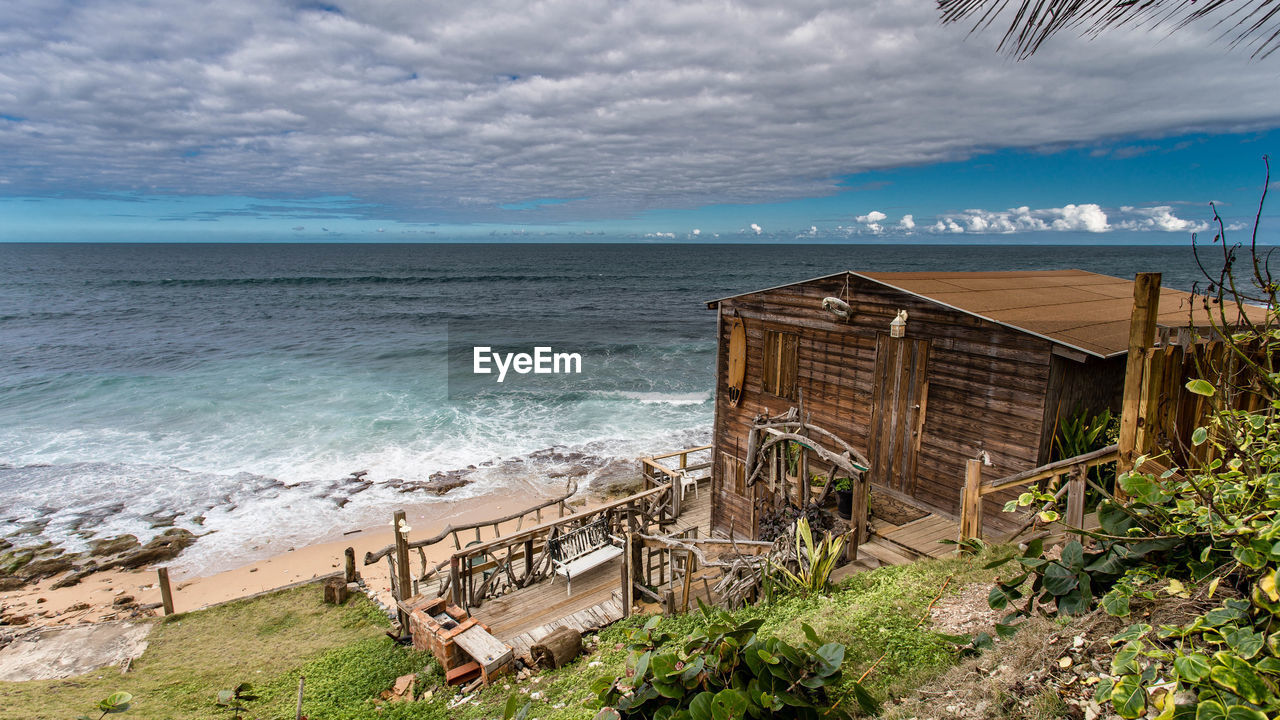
[981, 365]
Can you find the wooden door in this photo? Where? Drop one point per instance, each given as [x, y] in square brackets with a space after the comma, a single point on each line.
[898, 401]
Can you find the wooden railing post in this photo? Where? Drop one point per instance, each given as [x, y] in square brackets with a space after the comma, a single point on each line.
[403, 584]
[625, 596]
[971, 501]
[350, 572]
[1142, 334]
[455, 580]
[858, 516]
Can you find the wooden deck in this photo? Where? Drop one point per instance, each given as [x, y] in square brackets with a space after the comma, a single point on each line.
[525, 616]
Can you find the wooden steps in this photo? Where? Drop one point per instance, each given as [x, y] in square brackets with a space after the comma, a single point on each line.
[922, 537]
[901, 544]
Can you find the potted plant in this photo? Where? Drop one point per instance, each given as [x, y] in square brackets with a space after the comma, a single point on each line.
[844, 497]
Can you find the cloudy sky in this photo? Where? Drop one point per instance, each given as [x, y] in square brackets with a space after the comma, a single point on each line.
[818, 119]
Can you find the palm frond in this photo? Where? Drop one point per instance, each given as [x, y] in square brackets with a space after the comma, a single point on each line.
[1253, 24]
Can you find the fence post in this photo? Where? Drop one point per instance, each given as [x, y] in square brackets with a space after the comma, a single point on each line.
[1075, 497]
[350, 572]
[1142, 333]
[971, 501]
[166, 593]
[404, 584]
[677, 495]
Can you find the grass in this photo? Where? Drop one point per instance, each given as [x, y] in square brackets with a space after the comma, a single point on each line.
[875, 614]
[266, 641]
[347, 660]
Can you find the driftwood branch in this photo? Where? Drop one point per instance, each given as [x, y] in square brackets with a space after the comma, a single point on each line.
[844, 462]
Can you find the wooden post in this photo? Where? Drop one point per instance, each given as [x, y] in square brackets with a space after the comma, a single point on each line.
[403, 581]
[1149, 407]
[301, 680]
[804, 478]
[971, 501]
[1142, 334]
[858, 517]
[688, 581]
[625, 597]
[1076, 489]
[528, 556]
[455, 580]
[350, 574]
[166, 593]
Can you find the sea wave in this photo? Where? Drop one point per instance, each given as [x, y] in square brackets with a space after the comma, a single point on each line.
[663, 398]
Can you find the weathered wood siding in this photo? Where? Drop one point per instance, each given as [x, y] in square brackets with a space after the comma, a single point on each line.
[1093, 386]
[986, 391]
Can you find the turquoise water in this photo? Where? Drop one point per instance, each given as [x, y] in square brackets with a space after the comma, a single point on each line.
[239, 385]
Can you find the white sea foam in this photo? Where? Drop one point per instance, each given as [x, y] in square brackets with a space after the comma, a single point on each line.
[664, 398]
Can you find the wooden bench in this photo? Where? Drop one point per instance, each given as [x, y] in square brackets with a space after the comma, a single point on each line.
[577, 551]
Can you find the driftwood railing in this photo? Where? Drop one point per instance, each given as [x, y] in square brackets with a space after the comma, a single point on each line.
[403, 586]
[1046, 477]
[740, 563]
[490, 569]
[455, 531]
[657, 470]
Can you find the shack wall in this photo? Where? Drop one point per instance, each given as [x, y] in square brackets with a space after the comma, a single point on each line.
[1092, 385]
[987, 386]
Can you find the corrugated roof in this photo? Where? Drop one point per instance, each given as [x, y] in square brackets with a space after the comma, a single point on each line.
[1081, 310]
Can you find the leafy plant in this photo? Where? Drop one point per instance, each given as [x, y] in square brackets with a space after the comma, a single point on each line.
[843, 484]
[116, 702]
[233, 700]
[726, 671]
[815, 560]
[1082, 433]
[1208, 530]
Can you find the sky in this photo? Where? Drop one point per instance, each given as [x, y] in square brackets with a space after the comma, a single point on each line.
[805, 120]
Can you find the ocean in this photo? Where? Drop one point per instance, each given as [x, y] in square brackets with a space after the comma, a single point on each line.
[233, 388]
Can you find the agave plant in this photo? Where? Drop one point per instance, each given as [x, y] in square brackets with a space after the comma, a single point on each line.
[815, 561]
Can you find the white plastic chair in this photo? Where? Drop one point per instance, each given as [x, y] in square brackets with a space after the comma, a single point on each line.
[687, 481]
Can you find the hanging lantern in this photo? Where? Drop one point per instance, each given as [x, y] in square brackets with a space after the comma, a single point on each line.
[898, 327]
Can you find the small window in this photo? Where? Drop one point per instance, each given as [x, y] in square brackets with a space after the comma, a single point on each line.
[781, 363]
[735, 474]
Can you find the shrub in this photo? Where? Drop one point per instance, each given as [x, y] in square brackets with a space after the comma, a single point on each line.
[815, 561]
[724, 671]
[1199, 530]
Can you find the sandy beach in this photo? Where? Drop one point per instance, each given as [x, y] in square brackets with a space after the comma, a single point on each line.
[116, 594]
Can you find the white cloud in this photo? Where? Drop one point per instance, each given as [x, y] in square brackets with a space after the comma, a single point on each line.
[874, 216]
[1159, 218]
[1088, 217]
[907, 223]
[446, 111]
[696, 232]
[756, 228]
